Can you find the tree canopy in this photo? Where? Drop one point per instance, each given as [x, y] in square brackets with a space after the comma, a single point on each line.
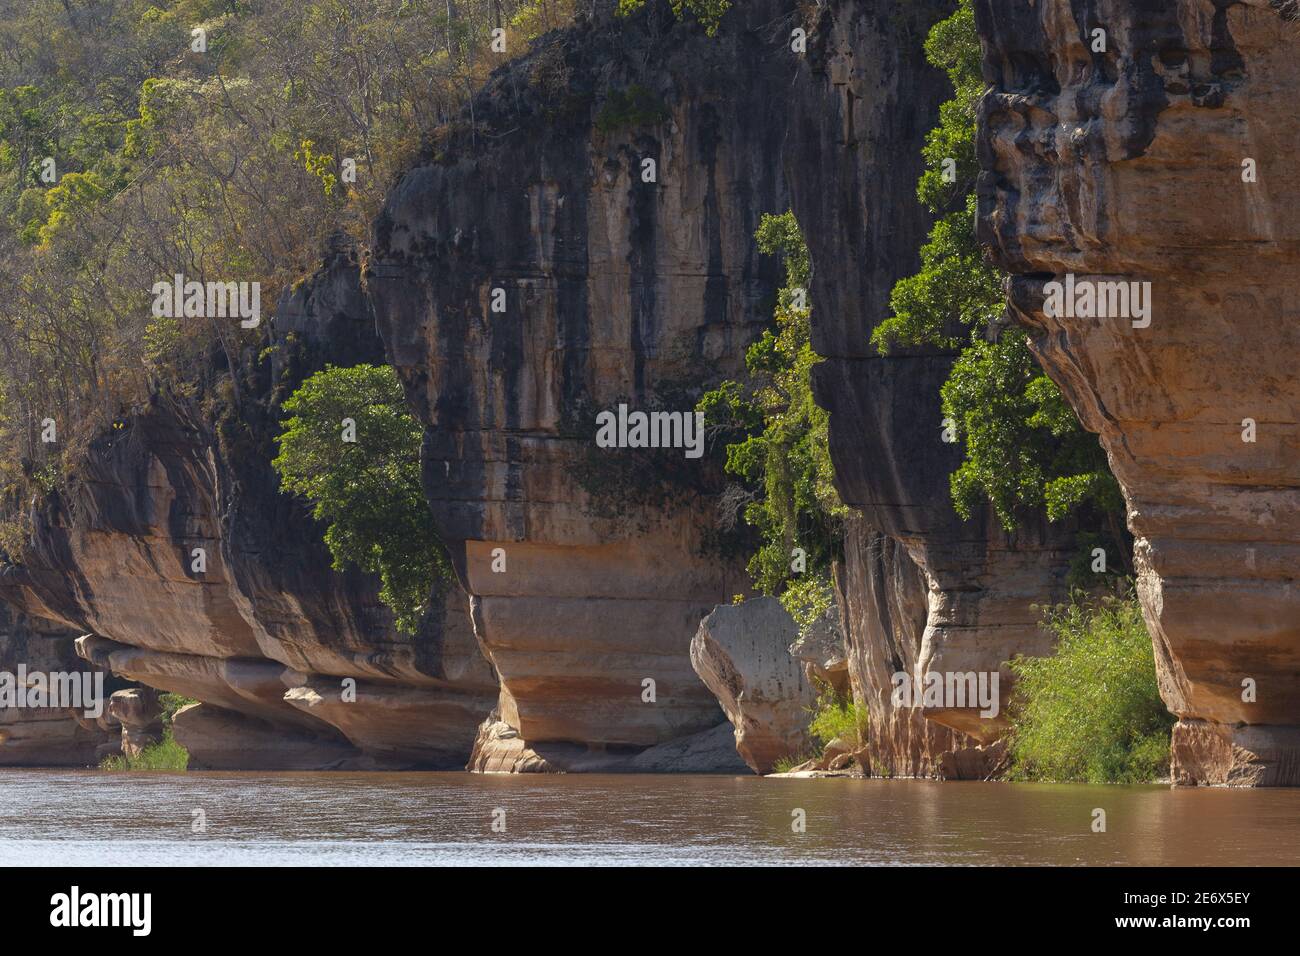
[1024, 449]
[351, 447]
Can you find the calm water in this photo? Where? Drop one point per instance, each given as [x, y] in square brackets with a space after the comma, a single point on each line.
[92, 818]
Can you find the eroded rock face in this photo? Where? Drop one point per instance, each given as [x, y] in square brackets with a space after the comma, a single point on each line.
[922, 589]
[47, 737]
[821, 649]
[263, 616]
[1129, 166]
[742, 654]
[219, 739]
[589, 568]
[617, 289]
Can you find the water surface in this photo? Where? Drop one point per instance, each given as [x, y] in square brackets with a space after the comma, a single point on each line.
[82, 818]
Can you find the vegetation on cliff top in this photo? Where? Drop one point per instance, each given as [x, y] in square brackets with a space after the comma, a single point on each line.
[1024, 449]
[707, 12]
[352, 448]
[219, 140]
[1092, 711]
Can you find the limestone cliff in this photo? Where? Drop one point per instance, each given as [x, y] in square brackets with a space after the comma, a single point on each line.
[1168, 158]
[265, 630]
[527, 274]
[610, 189]
[582, 240]
[922, 589]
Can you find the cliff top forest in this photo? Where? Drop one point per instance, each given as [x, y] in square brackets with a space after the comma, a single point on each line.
[219, 139]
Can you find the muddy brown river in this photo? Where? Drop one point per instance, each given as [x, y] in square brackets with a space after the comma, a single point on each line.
[92, 818]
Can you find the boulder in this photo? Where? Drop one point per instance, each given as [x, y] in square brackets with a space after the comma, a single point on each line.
[140, 714]
[741, 652]
[820, 647]
[500, 749]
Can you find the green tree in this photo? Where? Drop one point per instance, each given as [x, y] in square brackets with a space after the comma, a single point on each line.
[1024, 449]
[367, 491]
[777, 440]
[708, 12]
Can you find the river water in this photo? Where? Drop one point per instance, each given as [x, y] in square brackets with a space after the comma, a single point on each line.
[92, 818]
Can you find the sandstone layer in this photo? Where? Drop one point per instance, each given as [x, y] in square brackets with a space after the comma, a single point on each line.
[262, 616]
[1168, 159]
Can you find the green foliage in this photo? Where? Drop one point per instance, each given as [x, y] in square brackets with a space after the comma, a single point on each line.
[807, 597]
[171, 703]
[1024, 449]
[1023, 444]
[777, 436]
[955, 291]
[1092, 711]
[367, 492]
[126, 157]
[786, 764]
[635, 106]
[167, 754]
[840, 718]
[707, 12]
[320, 165]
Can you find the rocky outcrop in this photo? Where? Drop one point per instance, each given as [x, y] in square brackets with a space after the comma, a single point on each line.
[219, 739]
[922, 589]
[44, 736]
[820, 648]
[742, 654]
[1168, 159]
[535, 270]
[176, 555]
[588, 244]
[500, 749]
[139, 713]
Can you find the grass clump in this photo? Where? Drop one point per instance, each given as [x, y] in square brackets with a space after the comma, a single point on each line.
[1092, 711]
[167, 754]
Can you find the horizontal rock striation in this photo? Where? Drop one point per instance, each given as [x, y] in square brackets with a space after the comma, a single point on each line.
[265, 623]
[48, 737]
[1168, 159]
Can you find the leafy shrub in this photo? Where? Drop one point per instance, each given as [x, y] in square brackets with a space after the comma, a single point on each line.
[1024, 449]
[838, 717]
[777, 444]
[1092, 711]
[707, 12]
